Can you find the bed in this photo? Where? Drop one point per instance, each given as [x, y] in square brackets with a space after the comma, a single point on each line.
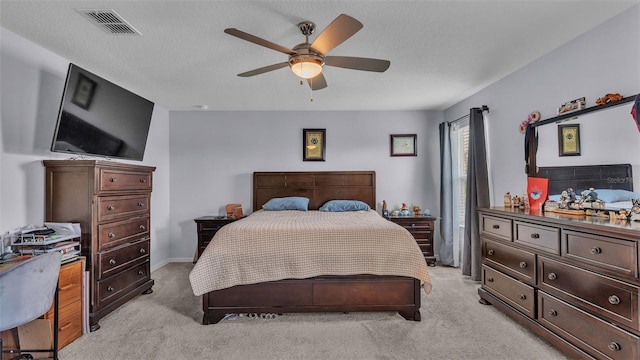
[613, 183]
[339, 271]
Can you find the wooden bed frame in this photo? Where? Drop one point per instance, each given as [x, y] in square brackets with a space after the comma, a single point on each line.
[324, 293]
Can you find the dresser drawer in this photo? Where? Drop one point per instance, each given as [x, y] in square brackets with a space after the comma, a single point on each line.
[593, 335]
[497, 227]
[69, 322]
[519, 295]
[545, 238]
[616, 255]
[609, 298]
[118, 207]
[112, 288]
[515, 262]
[115, 259]
[414, 224]
[121, 232]
[426, 247]
[70, 282]
[124, 180]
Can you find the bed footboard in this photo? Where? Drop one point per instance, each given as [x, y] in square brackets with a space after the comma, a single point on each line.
[319, 294]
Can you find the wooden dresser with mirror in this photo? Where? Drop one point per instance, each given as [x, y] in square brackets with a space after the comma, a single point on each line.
[572, 280]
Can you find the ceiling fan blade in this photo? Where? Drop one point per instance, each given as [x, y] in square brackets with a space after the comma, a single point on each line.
[318, 82]
[357, 63]
[340, 29]
[263, 70]
[260, 41]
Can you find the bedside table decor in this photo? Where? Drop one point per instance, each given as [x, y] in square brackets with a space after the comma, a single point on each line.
[421, 227]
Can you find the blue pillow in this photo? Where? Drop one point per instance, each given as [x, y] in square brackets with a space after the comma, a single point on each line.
[344, 205]
[615, 195]
[287, 203]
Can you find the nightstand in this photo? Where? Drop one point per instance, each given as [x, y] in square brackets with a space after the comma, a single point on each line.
[421, 227]
[207, 227]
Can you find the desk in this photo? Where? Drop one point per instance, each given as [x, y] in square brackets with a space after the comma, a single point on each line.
[70, 304]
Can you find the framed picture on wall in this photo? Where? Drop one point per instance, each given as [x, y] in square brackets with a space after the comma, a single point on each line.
[313, 144]
[569, 140]
[403, 145]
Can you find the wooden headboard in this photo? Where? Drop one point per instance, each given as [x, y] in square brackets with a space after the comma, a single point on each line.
[318, 186]
[580, 178]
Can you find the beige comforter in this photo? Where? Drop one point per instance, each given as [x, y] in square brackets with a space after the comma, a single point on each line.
[277, 245]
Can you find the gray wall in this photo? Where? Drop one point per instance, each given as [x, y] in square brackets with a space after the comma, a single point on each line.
[213, 156]
[30, 93]
[205, 159]
[604, 60]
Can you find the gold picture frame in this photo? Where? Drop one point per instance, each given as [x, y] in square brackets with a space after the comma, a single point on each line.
[313, 144]
[403, 145]
[569, 140]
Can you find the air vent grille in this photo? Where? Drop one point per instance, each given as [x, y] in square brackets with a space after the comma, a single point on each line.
[109, 21]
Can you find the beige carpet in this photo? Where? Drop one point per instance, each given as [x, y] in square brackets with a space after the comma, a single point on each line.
[166, 325]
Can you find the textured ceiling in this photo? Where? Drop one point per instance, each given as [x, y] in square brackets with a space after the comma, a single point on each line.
[440, 51]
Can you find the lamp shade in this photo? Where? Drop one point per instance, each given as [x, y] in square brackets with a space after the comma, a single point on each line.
[307, 69]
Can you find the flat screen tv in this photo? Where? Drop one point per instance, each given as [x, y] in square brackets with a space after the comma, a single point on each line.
[100, 118]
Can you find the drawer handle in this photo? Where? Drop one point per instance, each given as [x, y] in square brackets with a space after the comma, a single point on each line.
[110, 288]
[66, 287]
[552, 276]
[614, 346]
[496, 226]
[65, 327]
[553, 313]
[596, 250]
[142, 227]
[523, 297]
[110, 207]
[143, 251]
[111, 235]
[413, 225]
[113, 179]
[614, 300]
[141, 204]
[535, 236]
[489, 279]
[143, 180]
[140, 272]
[112, 261]
[523, 264]
[491, 252]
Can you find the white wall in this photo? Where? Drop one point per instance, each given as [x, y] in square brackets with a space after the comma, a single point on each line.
[213, 156]
[30, 93]
[604, 60]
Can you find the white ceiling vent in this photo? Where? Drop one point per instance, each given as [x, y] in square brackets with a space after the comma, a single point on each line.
[109, 21]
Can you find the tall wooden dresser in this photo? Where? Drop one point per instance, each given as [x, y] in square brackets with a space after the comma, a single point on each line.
[111, 201]
[573, 280]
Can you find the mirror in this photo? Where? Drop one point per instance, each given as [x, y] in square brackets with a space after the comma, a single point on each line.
[607, 136]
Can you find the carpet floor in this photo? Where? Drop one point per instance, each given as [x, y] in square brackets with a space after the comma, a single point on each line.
[166, 325]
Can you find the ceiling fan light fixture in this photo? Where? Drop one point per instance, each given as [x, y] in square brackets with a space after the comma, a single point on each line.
[306, 66]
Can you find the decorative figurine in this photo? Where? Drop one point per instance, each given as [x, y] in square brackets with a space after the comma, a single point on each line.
[404, 210]
[507, 200]
[416, 210]
[385, 212]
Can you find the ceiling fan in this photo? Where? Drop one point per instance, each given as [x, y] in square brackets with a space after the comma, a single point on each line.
[307, 59]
